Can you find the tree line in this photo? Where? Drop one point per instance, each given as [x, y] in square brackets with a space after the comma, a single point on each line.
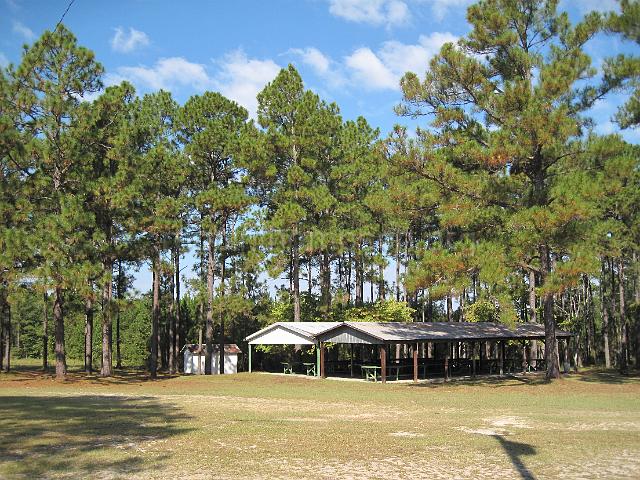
[505, 206]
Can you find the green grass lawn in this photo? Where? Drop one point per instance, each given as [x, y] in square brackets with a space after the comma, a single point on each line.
[270, 426]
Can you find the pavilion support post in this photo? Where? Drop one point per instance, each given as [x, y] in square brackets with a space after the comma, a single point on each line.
[318, 360]
[323, 371]
[446, 362]
[249, 358]
[351, 359]
[480, 356]
[415, 363]
[473, 359]
[524, 356]
[501, 357]
[383, 363]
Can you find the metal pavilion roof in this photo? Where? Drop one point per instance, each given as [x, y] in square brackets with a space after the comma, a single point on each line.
[397, 332]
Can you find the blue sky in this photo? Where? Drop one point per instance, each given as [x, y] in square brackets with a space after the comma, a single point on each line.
[352, 52]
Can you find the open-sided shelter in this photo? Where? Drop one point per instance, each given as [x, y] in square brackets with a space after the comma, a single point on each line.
[384, 334]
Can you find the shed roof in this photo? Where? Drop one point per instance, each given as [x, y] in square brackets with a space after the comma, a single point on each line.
[397, 332]
[228, 348]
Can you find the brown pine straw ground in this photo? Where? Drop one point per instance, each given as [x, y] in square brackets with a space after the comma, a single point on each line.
[586, 425]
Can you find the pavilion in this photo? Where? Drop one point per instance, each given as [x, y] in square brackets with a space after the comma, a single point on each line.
[456, 342]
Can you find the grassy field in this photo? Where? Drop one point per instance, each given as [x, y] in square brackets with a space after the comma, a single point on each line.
[269, 426]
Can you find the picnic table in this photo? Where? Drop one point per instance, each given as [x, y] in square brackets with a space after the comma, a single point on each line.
[371, 372]
[289, 367]
[310, 367]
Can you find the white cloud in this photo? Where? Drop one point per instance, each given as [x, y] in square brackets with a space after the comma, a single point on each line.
[241, 78]
[441, 8]
[23, 31]
[167, 73]
[4, 61]
[383, 69]
[369, 71]
[586, 6]
[374, 12]
[314, 58]
[127, 42]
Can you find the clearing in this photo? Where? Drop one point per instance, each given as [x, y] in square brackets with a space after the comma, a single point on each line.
[270, 426]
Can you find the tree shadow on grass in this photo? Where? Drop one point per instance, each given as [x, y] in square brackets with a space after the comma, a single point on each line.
[485, 381]
[126, 376]
[515, 451]
[610, 377]
[83, 436]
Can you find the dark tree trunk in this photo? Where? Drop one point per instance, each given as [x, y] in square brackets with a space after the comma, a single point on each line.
[88, 334]
[6, 333]
[381, 292]
[223, 272]
[637, 302]
[45, 331]
[550, 343]
[348, 275]
[58, 319]
[397, 267]
[605, 316]
[178, 316]
[326, 284]
[155, 314]
[120, 295]
[107, 319]
[359, 276]
[296, 275]
[209, 323]
[624, 339]
[449, 308]
[533, 317]
[171, 361]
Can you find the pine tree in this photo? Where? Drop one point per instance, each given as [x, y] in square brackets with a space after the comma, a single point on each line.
[507, 113]
[211, 130]
[52, 77]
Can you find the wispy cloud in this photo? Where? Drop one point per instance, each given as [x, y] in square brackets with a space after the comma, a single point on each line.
[237, 76]
[241, 78]
[383, 69]
[586, 6]
[4, 61]
[441, 8]
[374, 12]
[126, 42]
[23, 31]
[168, 74]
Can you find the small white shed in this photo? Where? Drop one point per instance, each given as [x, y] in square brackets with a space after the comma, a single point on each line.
[195, 355]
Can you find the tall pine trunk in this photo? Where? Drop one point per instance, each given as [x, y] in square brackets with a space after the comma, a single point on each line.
[397, 266]
[533, 317]
[605, 316]
[5, 311]
[119, 295]
[172, 320]
[209, 323]
[155, 314]
[624, 339]
[296, 275]
[88, 333]
[223, 265]
[45, 331]
[107, 319]
[550, 342]
[381, 292]
[359, 275]
[58, 320]
[178, 317]
[326, 284]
